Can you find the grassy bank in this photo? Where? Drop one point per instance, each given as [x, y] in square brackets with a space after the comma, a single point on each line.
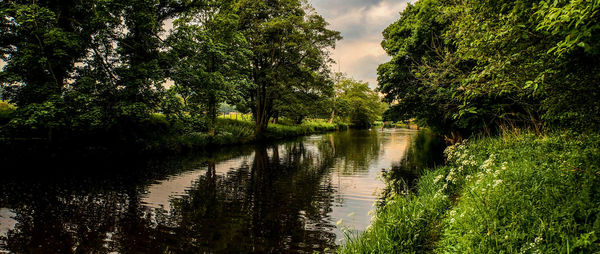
[232, 131]
[155, 135]
[513, 194]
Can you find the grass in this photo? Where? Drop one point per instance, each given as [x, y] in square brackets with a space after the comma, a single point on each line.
[519, 193]
[276, 131]
[230, 131]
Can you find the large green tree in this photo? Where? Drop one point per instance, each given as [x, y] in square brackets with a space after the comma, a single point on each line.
[356, 103]
[289, 43]
[41, 41]
[210, 57]
[84, 63]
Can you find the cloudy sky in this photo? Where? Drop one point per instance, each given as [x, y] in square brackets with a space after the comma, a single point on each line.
[361, 23]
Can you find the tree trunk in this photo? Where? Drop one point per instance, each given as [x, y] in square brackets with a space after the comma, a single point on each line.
[332, 116]
[262, 112]
[212, 113]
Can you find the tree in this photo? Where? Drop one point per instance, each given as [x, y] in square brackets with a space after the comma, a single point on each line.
[210, 57]
[40, 42]
[98, 63]
[294, 105]
[357, 103]
[472, 66]
[289, 43]
[415, 41]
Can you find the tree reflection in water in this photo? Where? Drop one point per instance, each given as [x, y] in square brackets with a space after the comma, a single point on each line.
[282, 197]
[278, 202]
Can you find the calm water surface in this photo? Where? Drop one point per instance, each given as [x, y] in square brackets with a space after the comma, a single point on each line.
[292, 196]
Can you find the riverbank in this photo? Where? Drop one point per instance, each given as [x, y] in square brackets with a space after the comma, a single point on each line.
[236, 132]
[519, 193]
[157, 137]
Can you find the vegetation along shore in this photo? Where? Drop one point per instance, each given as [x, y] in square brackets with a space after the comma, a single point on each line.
[514, 87]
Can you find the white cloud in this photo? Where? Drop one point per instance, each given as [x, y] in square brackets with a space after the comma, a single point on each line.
[361, 23]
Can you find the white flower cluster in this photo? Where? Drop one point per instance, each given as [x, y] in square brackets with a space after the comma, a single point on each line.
[497, 182]
[487, 164]
[438, 178]
[451, 175]
[535, 243]
[455, 150]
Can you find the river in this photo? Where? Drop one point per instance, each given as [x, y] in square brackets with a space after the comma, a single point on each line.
[298, 196]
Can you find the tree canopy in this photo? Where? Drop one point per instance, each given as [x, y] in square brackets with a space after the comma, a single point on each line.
[472, 66]
[289, 42]
[112, 68]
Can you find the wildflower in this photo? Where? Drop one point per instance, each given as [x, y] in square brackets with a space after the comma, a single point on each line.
[453, 212]
[538, 239]
[497, 182]
[450, 176]
[466, 162]
[438, 178]
[439, 195]
[489, 162]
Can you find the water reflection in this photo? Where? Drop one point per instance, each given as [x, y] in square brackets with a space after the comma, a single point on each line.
[284, 197]
[425, 151]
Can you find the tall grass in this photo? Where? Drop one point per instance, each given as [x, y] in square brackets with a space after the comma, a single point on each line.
[519, 193]
[229, 131]
[307, 127]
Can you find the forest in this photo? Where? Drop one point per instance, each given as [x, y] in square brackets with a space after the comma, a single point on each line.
[155, 74]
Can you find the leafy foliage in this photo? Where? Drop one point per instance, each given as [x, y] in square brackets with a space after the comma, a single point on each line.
[356, 103]
[289, 43]
[468, 67]
[107, 71]
[210, 57]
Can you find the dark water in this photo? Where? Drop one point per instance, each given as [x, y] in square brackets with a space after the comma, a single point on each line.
[293, 196]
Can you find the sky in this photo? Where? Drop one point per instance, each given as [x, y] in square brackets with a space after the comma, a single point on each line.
[361, 23]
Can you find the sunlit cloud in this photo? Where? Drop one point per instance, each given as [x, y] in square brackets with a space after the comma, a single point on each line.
[361, 23]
